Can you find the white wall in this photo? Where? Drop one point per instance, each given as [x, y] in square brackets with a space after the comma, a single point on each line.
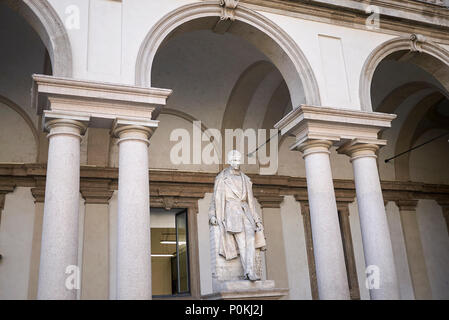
[399, 252]
[16, 235]
[295, 249]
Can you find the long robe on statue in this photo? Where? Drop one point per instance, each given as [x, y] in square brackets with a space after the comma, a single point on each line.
[232, 202]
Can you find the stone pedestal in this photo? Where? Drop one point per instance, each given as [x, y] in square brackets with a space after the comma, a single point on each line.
[246, 290]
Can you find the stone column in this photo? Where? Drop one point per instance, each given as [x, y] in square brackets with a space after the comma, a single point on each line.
[60, 225]
[414, 248]
[327, 243]
[373, 220]
[95, 271]
[133, 240]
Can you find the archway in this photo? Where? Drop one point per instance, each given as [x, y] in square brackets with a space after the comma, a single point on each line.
[253, 27]
[417, 50]
[47, 24]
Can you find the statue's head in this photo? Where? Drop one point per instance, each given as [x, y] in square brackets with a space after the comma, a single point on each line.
[234, 159]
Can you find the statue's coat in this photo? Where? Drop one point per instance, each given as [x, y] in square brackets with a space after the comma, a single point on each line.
[226, 206]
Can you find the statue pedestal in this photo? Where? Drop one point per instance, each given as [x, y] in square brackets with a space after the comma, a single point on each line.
[246, 290]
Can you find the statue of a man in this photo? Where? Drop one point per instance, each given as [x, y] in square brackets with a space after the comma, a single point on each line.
[232, 210]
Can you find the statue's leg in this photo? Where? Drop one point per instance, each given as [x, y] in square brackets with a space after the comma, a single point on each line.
[250, 257]
[241, 243]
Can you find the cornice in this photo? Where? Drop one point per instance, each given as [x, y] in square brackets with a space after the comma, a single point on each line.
[99, 101]
[397, 17]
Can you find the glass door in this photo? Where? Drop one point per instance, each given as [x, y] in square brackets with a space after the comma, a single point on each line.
[169, 252]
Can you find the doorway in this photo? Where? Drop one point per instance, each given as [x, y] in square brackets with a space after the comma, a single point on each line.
[170, 252]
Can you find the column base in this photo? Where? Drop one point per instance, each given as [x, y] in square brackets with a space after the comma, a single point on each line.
[247, 290]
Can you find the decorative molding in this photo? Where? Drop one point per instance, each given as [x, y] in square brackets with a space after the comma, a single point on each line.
[417, 41]
[194, 185]
[336, 125]
[169, 202]
[396, 15]
[269, 201]
[96, 191]
[228, 9]
[444, 203]
[102, 102]
[407, 205]
[6, 186]
[38, 192]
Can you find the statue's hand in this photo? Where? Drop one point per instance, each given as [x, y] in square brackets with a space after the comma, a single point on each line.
[213, 221]
[259, 226]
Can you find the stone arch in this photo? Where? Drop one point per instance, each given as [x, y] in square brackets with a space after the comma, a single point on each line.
[46, 22]
[416, 49]
[7, 102]
[295, 69]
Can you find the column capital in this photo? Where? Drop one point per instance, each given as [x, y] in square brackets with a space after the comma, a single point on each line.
[270, 201]
[96, 191]
[126, 129]
[359, 148]
[343, 207]
[38, 191]
[407, 205]
[333, 124]
[444, 203]
[5, 188]
[312, 146]
[65, 123]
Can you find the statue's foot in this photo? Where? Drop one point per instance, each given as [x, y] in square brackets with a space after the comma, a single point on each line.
[252, 277]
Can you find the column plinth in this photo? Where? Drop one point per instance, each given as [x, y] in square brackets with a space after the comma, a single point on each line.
[373, 220]
[59, 247]
[328, 249]
[133, 241]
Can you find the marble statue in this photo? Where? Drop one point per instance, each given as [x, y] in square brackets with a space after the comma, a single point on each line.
[233, 212]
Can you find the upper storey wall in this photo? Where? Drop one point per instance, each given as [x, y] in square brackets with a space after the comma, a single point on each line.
[107, 39]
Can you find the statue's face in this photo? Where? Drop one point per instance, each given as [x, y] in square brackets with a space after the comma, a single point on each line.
[234, 159]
